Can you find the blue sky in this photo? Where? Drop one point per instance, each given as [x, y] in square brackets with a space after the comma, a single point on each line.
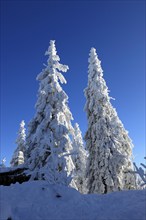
[115, 28]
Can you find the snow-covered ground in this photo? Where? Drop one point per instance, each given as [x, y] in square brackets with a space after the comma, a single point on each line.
[37, 200]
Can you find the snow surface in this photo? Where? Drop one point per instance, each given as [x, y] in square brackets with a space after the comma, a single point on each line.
[38, 200]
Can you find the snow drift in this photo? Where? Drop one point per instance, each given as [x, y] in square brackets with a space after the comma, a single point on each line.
[38, 200]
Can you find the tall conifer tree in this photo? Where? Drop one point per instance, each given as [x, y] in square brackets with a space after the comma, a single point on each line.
[49, 131]
[110, 148]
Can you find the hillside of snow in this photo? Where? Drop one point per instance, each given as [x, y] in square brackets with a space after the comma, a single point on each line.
[37, 200]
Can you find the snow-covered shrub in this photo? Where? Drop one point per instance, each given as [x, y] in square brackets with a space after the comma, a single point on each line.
[3, 161]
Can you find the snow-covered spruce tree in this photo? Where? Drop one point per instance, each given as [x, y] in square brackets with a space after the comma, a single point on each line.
[110, 148]
[79, 157]
[49, 131]
[18, 155]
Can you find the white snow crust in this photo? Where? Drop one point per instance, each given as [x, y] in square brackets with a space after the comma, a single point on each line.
[38, 200]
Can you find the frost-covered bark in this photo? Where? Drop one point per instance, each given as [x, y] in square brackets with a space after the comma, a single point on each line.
[49, 131]
[110, 148]
[18, 155]
[79, 157]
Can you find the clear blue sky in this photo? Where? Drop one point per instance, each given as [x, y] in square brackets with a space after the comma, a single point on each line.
[115, 28]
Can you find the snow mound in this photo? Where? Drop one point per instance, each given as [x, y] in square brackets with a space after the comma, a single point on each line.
[38, 200]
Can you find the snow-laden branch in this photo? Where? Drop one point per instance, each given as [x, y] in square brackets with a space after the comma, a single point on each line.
[141, 172]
